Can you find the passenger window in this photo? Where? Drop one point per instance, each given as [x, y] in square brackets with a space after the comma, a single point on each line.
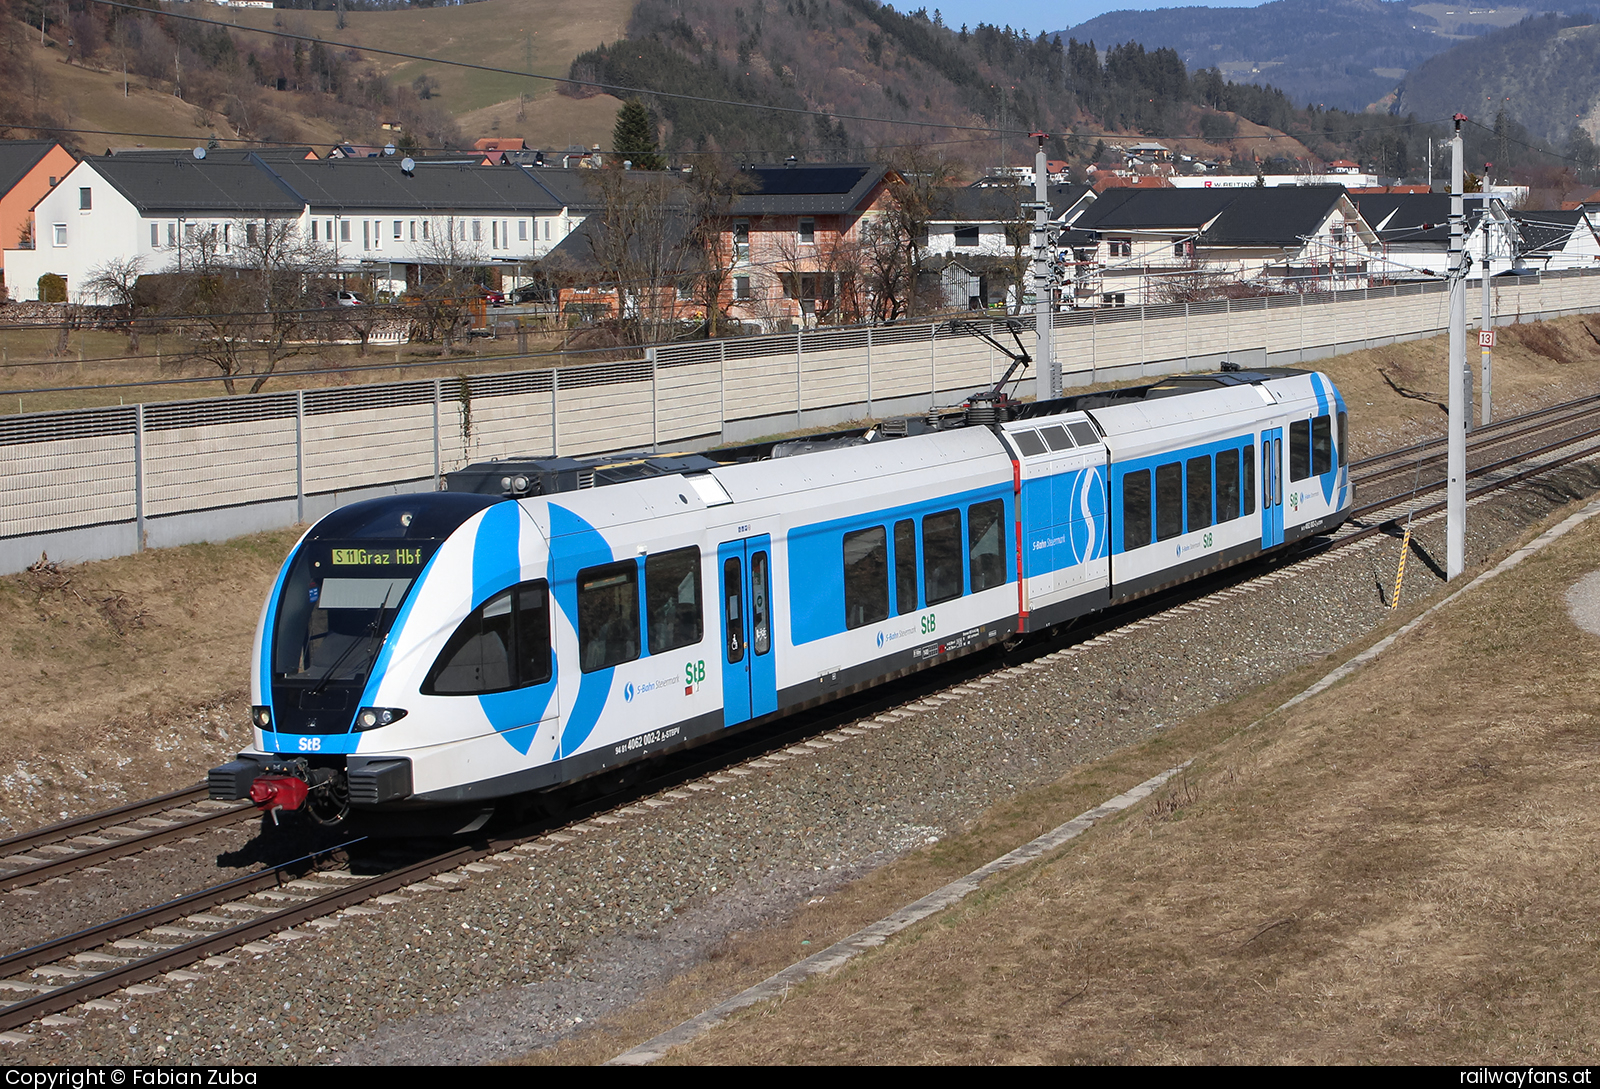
[905, 566]
[503, 644]
[732, 614]
[672, 599]
[866, 577]
[941, 556]
[1299, 450]
[1198, 488]
[1247, 462]
[608, 615]
[1169, 501]
[1135, 510]
[760, 613]
[985, 541]
[1321, 446]
[1344, 436]
[1227, 485]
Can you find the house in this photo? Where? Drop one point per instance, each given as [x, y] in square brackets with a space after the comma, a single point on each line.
[372, 217]
[28, 170]
[793, 241]
[980, 240]
[1170, 245]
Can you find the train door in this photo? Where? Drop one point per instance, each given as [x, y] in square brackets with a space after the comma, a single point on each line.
[1272, 487]
[749, 674]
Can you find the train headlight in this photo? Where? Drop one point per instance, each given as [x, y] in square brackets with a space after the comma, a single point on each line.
[371, 718]
[261, 717]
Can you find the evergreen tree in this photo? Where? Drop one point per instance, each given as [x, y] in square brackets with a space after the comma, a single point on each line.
[634, 138]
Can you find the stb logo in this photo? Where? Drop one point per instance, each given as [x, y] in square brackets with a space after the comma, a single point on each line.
[627, 692]
[880, 639]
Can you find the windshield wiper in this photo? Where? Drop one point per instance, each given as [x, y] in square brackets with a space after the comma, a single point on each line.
[372, 630]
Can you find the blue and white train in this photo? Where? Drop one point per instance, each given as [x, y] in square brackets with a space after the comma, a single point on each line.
[540, 622]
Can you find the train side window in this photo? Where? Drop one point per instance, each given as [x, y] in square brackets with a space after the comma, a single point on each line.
[533, 634]
[1247, 462]
[608, 615]
[985, 544]
[1227, 485]
[733, 594]
[1169, 500]
[905, 566]
[672, 599]
[866, 577]
[760, 600]
[1299, 450]
[503, 644]
[1321, 445]
[941, 556]
[1135, 510]
[1198, 490]
[1057, 437]
[1343, 437]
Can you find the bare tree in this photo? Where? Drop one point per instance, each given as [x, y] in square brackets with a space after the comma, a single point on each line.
[919, 182]
[638, 242]
[448, 264]
[247, 293]
[712, 190]
[115, 284]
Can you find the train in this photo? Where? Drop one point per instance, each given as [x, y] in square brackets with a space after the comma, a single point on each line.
[539, 622]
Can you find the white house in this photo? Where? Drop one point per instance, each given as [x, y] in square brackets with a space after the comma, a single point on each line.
[376, 217]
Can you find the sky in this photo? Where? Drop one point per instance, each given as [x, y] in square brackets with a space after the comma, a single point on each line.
[1036, 15]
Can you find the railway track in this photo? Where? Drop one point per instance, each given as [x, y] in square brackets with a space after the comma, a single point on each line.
[45, 980]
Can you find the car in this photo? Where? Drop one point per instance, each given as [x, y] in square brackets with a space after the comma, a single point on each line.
[349, 298]
[493, 297]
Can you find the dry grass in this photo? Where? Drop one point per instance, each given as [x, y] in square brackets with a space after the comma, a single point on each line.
[1399, 870]
[127, 677]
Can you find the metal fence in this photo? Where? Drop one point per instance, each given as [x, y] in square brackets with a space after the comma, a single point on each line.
[94, 483]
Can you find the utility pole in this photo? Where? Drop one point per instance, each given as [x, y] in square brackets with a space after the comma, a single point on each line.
[1486, 322]
[1456, 369]
[1047, 373]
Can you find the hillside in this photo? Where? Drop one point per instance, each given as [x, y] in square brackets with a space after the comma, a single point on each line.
[1344, 53]
[239, 84]
[1540, 71]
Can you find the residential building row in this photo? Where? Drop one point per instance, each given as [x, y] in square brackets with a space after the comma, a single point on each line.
[787, 245]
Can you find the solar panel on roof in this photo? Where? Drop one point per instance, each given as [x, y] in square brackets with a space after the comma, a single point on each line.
[786, 181]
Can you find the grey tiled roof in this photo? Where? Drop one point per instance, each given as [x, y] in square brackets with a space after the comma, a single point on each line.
[17, 157]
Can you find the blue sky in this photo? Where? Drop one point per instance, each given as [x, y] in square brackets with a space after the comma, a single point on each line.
[1037, 15]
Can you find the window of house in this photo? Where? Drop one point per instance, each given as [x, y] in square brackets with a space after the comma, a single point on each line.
[313, 230]
[522, 230]
[397, 230]
[741, 286]
[685, 290]
[250, 233]
[61, 234]
[413, 230]
[85, 199]
[155, 236]
[967, 237]
[494, 234]
[344, 230]
[1114, 298]
[808, 231]
[1120, 247]
[741, 238]
[477, 230]
[172, 234]
[608, 615]
[366, 235]
[547, 230]
[424, 230]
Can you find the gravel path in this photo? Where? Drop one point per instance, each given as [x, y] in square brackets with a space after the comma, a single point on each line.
[525, 949]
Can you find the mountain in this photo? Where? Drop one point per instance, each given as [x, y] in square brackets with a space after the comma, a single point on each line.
[1344, 53]
[1540, 72]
